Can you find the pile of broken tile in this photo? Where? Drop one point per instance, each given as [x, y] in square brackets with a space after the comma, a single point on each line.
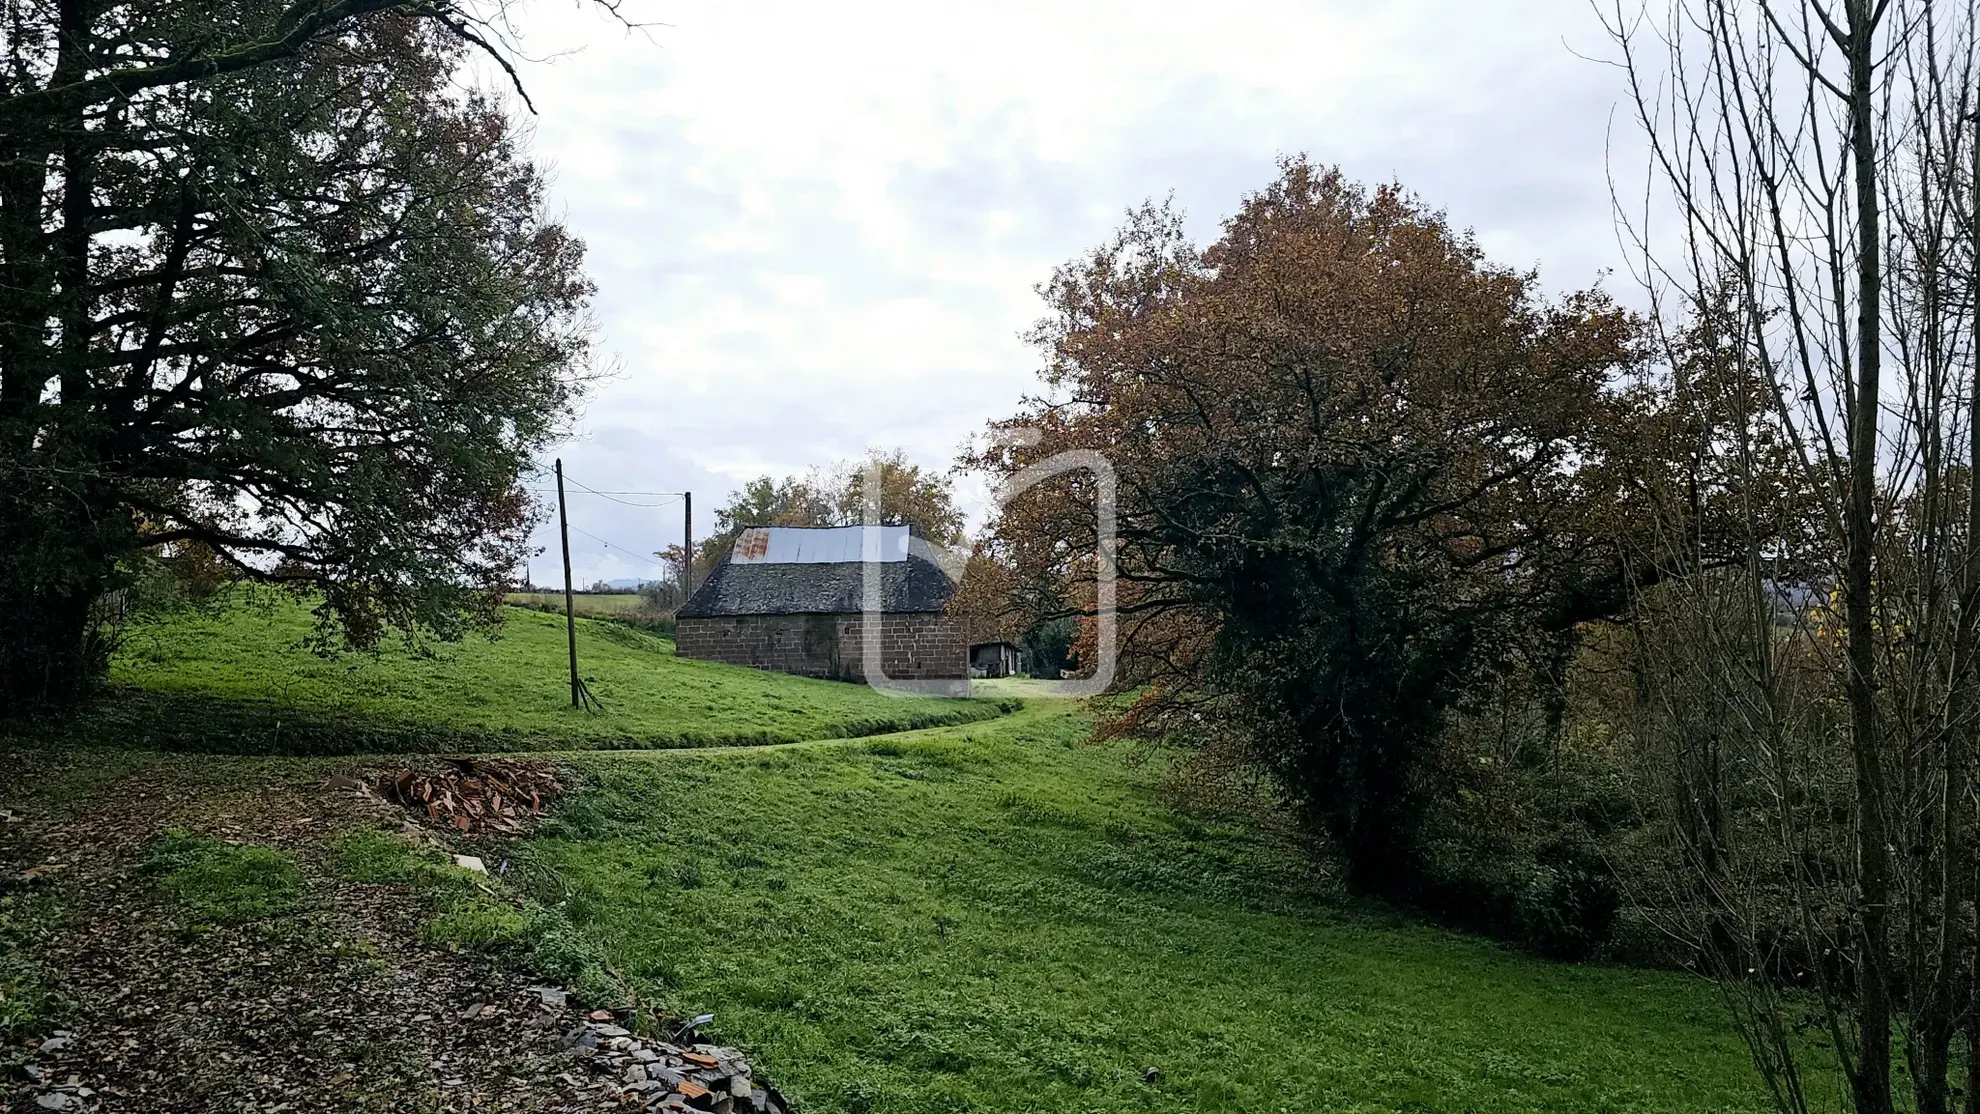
[656, 1075]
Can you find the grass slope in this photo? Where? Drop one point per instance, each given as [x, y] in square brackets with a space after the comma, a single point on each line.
[1002, 917]
[238, 679]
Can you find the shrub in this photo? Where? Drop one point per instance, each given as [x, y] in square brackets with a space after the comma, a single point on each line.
[1565, 910]
[1521, 840]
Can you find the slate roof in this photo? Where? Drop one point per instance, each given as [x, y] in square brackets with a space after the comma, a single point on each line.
[735, 588]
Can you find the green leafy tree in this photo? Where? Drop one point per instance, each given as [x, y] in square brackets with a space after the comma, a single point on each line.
[276, 290]
[910, 495]
[763, 501]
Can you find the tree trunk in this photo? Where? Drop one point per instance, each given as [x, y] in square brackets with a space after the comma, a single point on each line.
[52, 653]
[1871, 1085]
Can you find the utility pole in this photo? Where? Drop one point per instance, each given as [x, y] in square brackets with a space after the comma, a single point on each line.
[570, 617]
[687, 548]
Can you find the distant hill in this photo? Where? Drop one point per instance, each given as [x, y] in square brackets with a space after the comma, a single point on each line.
[621, 585]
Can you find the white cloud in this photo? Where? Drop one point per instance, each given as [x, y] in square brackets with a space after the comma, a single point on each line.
[817, 228]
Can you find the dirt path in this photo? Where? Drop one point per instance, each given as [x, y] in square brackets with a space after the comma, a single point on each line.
[1030, 705]
[339, 1007]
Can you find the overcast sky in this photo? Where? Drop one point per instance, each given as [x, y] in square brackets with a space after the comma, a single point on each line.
[818, 228]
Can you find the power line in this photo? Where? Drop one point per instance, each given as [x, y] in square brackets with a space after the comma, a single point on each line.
[654, 494]
[660, 494]
[610, 545]
[667, 496]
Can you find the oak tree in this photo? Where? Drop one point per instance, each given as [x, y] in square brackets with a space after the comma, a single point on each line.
[1361, 470]
[273, 286]
[908, 495]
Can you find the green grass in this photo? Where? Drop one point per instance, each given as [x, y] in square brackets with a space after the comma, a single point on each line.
[377, 857]
[471, 911]
[238, 679]
[630, 610]
[215, 883]
[1002, 917]
[992, 915]
[467, 911]
[477, 924]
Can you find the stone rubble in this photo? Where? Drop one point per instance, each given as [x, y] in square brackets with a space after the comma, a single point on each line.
[598, 1066]
[648, 1074]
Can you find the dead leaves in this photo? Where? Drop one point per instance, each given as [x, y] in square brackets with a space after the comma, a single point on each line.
[476, 795]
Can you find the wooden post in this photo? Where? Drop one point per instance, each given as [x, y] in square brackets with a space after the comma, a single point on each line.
[687, 549]
[570, 617]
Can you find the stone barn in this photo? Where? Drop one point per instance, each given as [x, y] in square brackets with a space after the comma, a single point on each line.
[790, 598]
[997, 659]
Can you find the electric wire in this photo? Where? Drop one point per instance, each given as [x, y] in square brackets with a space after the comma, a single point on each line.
[666, 497]
[612, 545]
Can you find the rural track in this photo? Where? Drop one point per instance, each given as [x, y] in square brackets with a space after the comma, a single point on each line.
[1029, 704]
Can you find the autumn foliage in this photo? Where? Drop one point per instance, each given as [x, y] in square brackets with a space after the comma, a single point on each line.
[1362, 473]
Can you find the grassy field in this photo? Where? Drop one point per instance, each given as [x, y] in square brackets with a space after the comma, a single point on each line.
[993, 915]
[597, 605]
[239, 679]
[1002, 917]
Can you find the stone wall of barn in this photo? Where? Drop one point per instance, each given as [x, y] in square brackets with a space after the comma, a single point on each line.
[913, 647]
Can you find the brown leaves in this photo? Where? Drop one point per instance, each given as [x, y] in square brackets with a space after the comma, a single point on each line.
[475, 795]
[1361, 472]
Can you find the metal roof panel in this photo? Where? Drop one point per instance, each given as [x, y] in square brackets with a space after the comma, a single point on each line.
[830, 545]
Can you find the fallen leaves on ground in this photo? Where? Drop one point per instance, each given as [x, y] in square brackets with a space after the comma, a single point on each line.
[476, 795]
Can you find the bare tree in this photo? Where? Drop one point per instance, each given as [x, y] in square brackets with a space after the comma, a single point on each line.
[1821, 158]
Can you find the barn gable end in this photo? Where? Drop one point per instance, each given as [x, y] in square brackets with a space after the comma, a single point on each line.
[790, 599]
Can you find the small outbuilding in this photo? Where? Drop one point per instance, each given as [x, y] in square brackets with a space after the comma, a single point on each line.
[794, 599]
[996, 659]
